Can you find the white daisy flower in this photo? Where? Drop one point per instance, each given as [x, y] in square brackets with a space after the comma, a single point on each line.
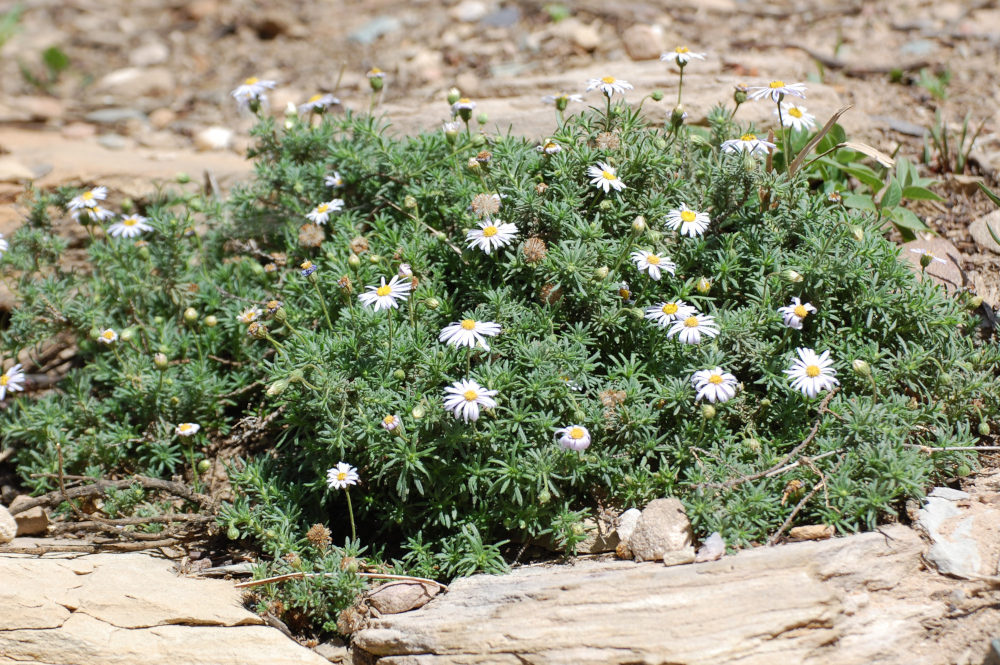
[491, 234]
[574, 437]
[747, 143]
[812, 374]
[249, 315]
[605, 177]
[12, 380]
[391, 422]
[550, 147]
[129, 227]
[681, 55]
[714, 385]
[795, 313]
[4, 245]
[335, 180]
[341, 476]
[463, 398]
[689, 330]
[108, 336]
[666, 313]
[652, 263]
[89, 198]
[777, 89]
[931, 257]
[321, 213]
[386, 295]
[252, 89]
[689, 222]
[94, 214]
[318, 103]
[561, 100]
[469, 332]
[187, 429]
[405, 270]
[796, 117]
[463, 104]
[609, 85]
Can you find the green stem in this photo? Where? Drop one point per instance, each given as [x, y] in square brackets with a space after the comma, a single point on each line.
[322, 302]
[784, 134]
[607, 115]
[350, 513]
[388, 358]
[680, 85]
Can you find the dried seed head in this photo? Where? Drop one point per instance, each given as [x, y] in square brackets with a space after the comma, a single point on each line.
[540, 188]
[319, 536]
[612, 398]
[359, 245]
[484, 157]
[311, 235]
[550, 294]
[345, 284]
[534, 250]
[485, 205]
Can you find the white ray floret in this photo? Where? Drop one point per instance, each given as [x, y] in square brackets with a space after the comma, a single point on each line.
[666, 313]
[810, 373]
[688, 222]
[492, 234]
[714, 385]
[385, 296]
[470, 333]
[652, 263]
[690, 330]
[794, 314]
[463, 398]
[604, 176]
[12, 380]
[342, 476]
[129, 227]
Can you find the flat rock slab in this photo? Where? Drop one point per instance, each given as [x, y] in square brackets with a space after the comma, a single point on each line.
[128, 608]
[862, 599]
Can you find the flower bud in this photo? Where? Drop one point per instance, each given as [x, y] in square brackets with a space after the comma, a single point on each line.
[637, 313]
[280, 315]
[432, 303]
[975, 302]
[127, 335]
[605, 205]
[482, 118]
[478, 140]
[792, 276]
[857, 232]
[861, 368]
[144, 253]
[925, 259]
[190, 315]
[473, 163]
[160, 361]
[453, 96]
[354, 260]
[277, 387]
[211, 321]
[703, 285]
[638, 225]
[93, 333]
[677, 116]
[752, 444]
[945, 379]
[296, 375]
[409, 202]
[418, 412]
[984, 428]
[375, 258]
[653, 236]
[601, 273]
[707, 411]
[376, 79]
[291, 115]
[232, 533]
[399, 375]
[764, 403]
[740, 93]
[182, 178]
[656, 95]
[204, 466]
[544, 497]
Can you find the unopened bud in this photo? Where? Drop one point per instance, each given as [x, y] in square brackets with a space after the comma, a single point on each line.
[653, 236]
[944, 379]
[677, 116]
[232, 533]
[432, 303]
[656, 95]
[182, 178]
[544, 497]
[764, 403]
[473, 163]
[984, 428]
[190, 315]
[399, 375]
[160, 361]
[601, 273]
[409, 202]
[740, 93]
[127, 335]
[375, 258]
[211, 321]
[752, 444]
[605, 205]
[975, 302]
[792, 276]
[857, 232]
[204, 466]
[639, 225]
[861, 368]
[925, 259]
[277, 387]
[453, 96]
[418, 412]
[707, 411]
[703, 285]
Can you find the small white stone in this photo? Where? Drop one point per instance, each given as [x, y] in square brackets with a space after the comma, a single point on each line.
[626, 523]
[678, 557]
[213, 138]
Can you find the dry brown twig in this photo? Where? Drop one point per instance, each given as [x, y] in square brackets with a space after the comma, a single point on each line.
[373, 576]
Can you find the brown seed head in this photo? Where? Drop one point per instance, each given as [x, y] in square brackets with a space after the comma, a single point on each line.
[359, 245]
[311, 235]
[534, 250]
[319, 536]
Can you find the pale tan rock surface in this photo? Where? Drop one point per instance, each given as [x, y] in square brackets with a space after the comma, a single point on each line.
[128, 608]
[858, 600]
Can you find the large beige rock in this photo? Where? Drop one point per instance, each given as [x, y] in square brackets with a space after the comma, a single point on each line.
[8, 527]
[662, 528]
[31, 522]
[848, 601]
[128, 608]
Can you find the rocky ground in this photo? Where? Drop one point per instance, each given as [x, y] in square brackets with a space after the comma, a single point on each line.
[145, 97]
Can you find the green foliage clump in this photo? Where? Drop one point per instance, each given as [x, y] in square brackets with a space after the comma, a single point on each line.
[319, 371]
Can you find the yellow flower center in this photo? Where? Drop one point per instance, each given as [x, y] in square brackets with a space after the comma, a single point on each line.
[490, 231]
[315, 98]
[87, 196]
[653, 259]
[383, 290]
[670, 308]
[108, 334]
[342, 476]
[800, 311]
[715, 378]
[470, 395]
[691, 322]
[608, 79]
[375, 71]
[130, 221]
[687, 216]
[777, 84]
[812, 371]
[306, 265]
[251, 80]
[681, 49]
[624, 293]
[576, 433]
[322, 207]
[4, 379]
[388, 420]
[795, 112]
[748, 137]
[551, 146]
[608, 175]
[468, 324]
[465, 100]
[273, 304]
